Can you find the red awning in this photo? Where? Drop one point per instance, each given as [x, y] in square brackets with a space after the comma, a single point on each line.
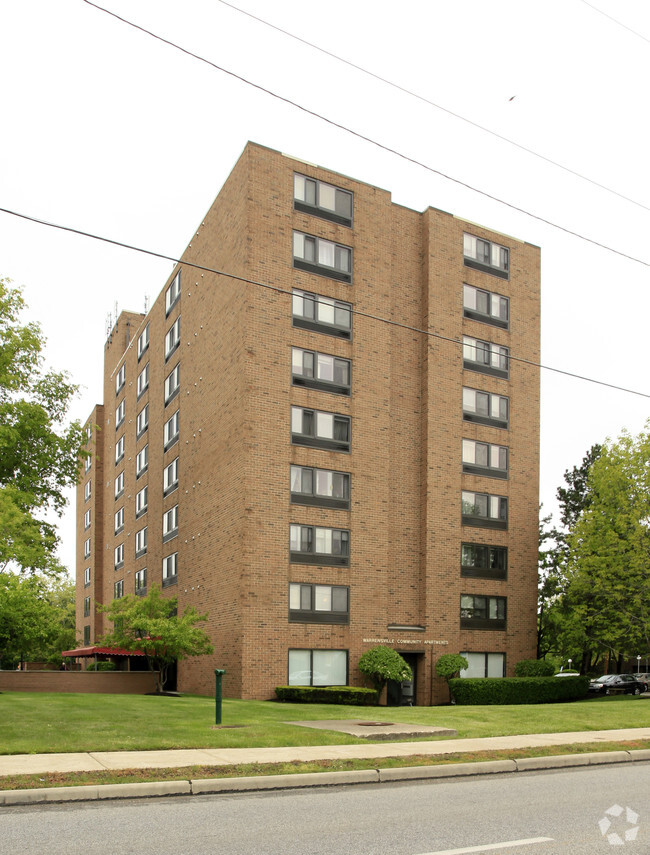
[82, 652]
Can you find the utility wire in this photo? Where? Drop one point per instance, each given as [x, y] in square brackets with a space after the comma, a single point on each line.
[279, 290]
[449, 112]
[373, 142]
[620, 24]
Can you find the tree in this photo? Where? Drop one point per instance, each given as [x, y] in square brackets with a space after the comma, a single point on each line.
[381, 664]
[152, 626]
[609, 550]
[450, 665]
[39, 455]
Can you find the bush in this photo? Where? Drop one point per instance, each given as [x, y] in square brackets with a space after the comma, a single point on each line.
[102, 666]
[517, 690]
[381, 664]
[450, 664]
[350, 695]
[534, 668]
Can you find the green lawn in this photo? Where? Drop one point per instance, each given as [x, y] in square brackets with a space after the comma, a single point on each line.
[34, 723]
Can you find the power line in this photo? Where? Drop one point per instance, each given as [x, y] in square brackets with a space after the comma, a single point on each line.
[619, 23]
[373, 142]
[430, 103]
[278, 289]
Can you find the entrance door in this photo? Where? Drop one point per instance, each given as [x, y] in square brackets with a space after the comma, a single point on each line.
[404, 694]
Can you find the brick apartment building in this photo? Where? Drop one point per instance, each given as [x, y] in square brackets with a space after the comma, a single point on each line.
[289, 452]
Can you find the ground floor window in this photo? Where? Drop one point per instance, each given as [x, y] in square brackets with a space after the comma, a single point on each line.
[318, 667]
[485, 665]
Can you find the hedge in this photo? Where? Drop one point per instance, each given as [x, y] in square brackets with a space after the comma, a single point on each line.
[534, 668]
[350, 695]
[517, 690]
[101, 666]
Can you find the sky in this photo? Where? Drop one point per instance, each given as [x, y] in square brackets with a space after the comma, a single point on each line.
[110, 131]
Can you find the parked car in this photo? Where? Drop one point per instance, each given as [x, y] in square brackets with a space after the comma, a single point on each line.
[610, 684]
[643, 678]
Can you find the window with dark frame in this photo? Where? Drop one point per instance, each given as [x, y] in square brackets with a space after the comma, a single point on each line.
[323, 257]
[486, 357]
[322, 487]
[486, 307]
[171, 430]
[320, 429]
[173, 338]
[173, 293]
[480, 612]
[312, 196]
[321, 314]
[312, 603]
[485, 408]
[143, 342]
[484, 510]
[320, 371]
[318, 667]
[141, 582]
[170, 570]
[487, 256]
[484, 664]
[484, 458]
[311, 544]
[483, 561]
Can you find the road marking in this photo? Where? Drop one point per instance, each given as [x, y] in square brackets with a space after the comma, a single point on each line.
[508, 844]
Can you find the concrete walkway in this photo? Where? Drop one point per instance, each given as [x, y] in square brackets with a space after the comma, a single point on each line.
[19, 764]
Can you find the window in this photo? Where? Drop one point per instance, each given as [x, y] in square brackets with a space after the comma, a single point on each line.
[485, 356]
[320, 430]
[141, 502]
[483, 458]
[484, 665]
[315, 545]
[142, 422]
[486, 307]
[87, 463]
[318, 603]
[320, 371]
[486, 256]
[484, 408]
[143, 380]
[119, 485]
[481, 509]
[120, 379]
[322, 487]
[118, 589]
[119, 414]
[119, 521]
[324, 257]
[143, 342]
[322, 314]
[87, 548]
[173, 293]
[170, 569]
[141, 542]
[170, 524]
[482, 612]
[170, 477]
[87, 489]
[87, 520]
[86, 606]
[119, 450]
[142, 461]
[322, 200]
[483, 561]
[172, 383]
[141, 582]
[86, 577]
[89, 432]
[119, 556]
[173, 338]
[86, 636]
[318, 667]
[170, 433]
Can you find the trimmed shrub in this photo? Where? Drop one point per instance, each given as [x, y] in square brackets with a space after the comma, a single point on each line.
[101, 666]
[534, 668]
[381, 664]
[351, 695]
[450, 664]
[517, 690]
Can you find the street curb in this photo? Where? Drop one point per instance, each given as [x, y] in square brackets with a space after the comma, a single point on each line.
[313, 779]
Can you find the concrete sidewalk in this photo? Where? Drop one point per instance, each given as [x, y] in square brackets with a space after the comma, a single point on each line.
[19, 764]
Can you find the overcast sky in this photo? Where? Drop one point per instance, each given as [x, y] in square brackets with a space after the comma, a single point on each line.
[110, 131]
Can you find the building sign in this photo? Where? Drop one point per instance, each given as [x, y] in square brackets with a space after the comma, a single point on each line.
[403, 641]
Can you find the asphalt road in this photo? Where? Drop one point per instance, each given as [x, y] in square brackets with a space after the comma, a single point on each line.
[537, 813]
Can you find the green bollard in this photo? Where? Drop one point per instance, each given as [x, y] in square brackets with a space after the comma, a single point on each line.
[218, 673]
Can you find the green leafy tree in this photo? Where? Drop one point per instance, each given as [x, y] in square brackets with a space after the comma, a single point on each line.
[31, 620]
[609, 551]
[381, 664]
[39, 453]
[450, 665]
[152, 626]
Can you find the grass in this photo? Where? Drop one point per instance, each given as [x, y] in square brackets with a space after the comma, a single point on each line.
[185, 773]
[40, 723]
